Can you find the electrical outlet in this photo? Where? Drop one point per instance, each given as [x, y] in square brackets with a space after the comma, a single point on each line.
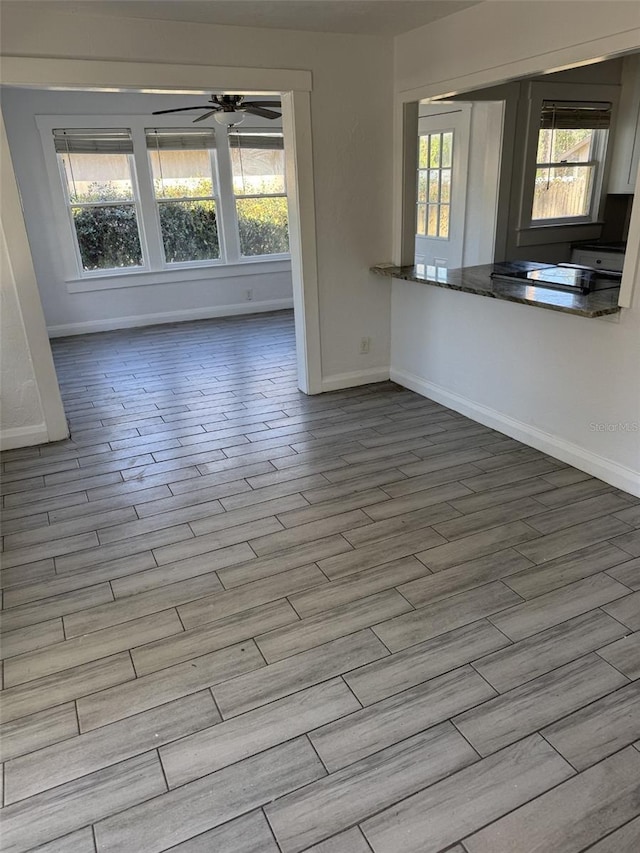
[248, 294]
[365, 345]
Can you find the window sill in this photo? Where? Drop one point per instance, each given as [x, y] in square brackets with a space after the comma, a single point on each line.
[535, 235]
[178, 274]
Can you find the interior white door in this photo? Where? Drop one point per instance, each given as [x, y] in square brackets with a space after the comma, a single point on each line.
[443, 157]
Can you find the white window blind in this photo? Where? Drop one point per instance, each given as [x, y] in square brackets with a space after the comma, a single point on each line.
[114, 140]
[180, 139]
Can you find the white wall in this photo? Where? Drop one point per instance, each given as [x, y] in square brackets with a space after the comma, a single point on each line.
[541, 376]
[352, 89]
[169, 295]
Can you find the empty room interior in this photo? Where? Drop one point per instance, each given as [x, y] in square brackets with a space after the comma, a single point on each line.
[320, 426]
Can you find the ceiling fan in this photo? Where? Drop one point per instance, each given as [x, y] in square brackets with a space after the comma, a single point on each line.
[225, 109]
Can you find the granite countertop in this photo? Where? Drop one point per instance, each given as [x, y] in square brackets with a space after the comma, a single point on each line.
[478, 280]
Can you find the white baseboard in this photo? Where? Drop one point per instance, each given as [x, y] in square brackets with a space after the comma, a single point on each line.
[25, 436]
[598, 466]
[356, 377]
[89, 326]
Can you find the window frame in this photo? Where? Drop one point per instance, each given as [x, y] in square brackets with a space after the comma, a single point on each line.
[257, 132]
[156, 270]
[144, 252]
[530, 230]
[216, 198]
[439, 169]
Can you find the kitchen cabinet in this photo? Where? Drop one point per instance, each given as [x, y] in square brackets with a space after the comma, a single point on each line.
[598, 260]
[626, 140]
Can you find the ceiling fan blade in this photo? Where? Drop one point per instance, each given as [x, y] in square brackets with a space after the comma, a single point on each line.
[262, 103]
[181, 109]
[205, 115]
[259, 111]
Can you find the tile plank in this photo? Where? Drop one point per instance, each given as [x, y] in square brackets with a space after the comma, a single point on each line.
[245, 597]
[445, 615]
[83, 649]
[624, 655]
[602, 728]
[562, 604]
[73, 805]
[316, 630]
[247, 834]
[149, 691]
[56, 689]
[205, 803]
[564, 570]
[571, 817]
[63, 762]
[293, 674]
[521, 711]
[248, 734]
[626, 610]
[476, 796]
[28, 734]
[374, 783]
[162, 653]
[402, 670]
[540, 653]
[380, 725]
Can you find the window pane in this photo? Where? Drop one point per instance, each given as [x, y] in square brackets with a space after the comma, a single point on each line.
[444, 221]
[447, 149]
[108, 236]
[432, 222]
[573, 146]
[263, 226]
[423, 152]
[445, 186]
[434, 185]
[189, 231]
[258, 171]
[180, 174]
[422, 186]
[421, 227]
[97, 177]
[434, 150]
[562, 191]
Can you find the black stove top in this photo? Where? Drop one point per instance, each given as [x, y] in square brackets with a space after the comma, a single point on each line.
[556, 276]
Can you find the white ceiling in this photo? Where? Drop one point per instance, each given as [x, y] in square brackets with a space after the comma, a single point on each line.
[366, 17]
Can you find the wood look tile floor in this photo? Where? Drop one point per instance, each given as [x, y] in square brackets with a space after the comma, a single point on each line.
[242, 620]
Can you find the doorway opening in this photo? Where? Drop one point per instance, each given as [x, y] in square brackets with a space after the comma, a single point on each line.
[82, 78]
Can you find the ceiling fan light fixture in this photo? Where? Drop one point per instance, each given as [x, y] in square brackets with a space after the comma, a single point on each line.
[228, 118]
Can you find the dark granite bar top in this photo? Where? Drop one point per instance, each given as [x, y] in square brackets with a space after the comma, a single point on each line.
[478, 280]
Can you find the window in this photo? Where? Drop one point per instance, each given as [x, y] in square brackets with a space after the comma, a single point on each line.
[435, 157]
[570, 150]
[259, 187]
[159, 199]
[100, 190]
[183, 168]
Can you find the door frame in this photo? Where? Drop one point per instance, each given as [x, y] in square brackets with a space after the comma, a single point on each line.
[294, 87]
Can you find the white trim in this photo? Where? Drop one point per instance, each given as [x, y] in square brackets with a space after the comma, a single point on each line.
[356, 377]
[104, 75]
[167, 317]
[296, 124]
[181, 273]
[25, 436]
[599, 466]
[30, 303]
